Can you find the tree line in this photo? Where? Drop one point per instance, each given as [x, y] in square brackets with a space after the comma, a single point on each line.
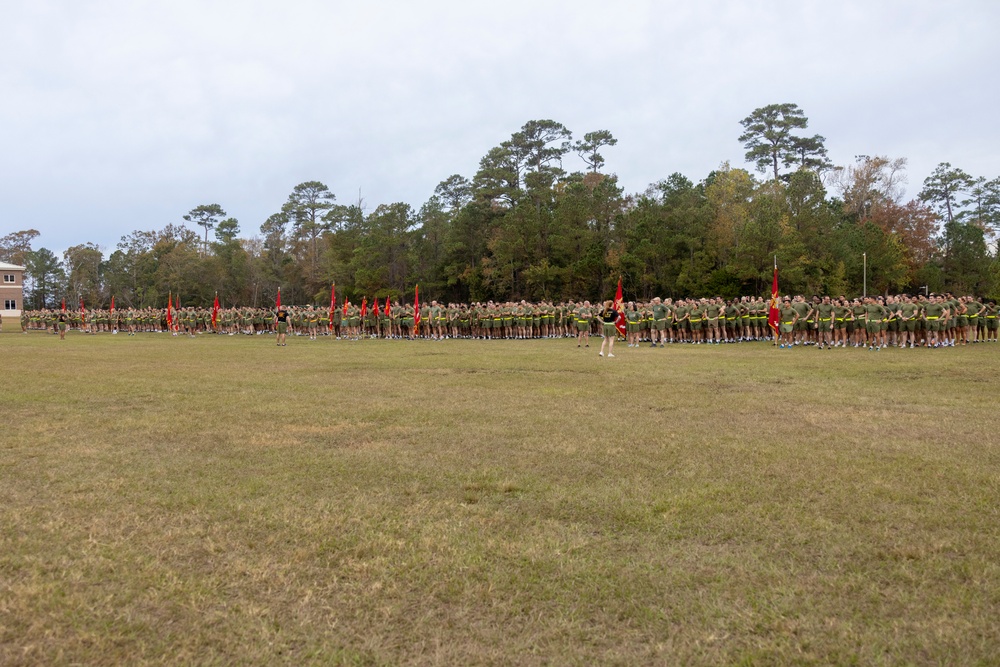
[527, 225]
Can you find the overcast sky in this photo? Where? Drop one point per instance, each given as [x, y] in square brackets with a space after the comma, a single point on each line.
[124, 115]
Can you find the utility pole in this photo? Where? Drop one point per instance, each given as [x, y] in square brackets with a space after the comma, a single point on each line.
[864, 288]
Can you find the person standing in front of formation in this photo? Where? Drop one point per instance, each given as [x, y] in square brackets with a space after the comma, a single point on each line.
[609, 331]
[281, 324]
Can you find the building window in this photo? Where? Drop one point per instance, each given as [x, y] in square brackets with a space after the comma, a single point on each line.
[9, 304]
[8, 277]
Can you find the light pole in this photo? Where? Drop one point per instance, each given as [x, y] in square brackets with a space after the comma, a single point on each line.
[864, 287]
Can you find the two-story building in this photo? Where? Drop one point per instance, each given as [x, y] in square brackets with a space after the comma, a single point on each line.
[11, 290]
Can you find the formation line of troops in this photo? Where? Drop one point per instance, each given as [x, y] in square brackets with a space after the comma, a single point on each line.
[873, 323]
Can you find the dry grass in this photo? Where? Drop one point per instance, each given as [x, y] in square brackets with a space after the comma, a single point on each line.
[224, 501]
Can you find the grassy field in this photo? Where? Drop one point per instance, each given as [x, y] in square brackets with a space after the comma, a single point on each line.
[224, 501]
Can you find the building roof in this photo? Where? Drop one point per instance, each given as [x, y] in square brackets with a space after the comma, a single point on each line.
[4, 266]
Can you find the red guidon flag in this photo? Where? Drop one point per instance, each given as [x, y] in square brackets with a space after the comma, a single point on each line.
[83, 311]
[215, 311]
[170, 318]
[773, 314]
[64, 304]
[375, 308]
[388, 311]
[112, 304]
[277, 304]
[333, 303]
[364, 307]
[416, 310]
[619, 306]
[345, 309]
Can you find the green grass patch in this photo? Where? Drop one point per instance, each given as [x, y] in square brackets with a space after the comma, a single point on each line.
[221, 500]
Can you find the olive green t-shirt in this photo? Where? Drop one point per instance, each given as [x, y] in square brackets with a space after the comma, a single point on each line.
[874, 312]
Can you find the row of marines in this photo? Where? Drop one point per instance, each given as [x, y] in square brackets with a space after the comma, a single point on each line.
[873, 322]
